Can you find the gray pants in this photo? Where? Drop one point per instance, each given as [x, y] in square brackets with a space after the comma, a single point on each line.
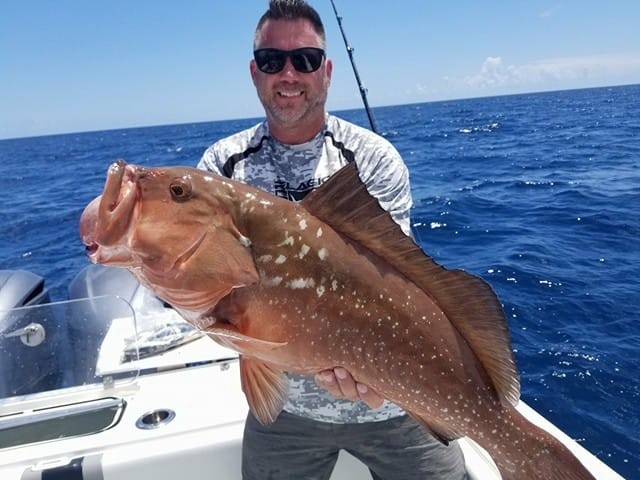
[302, 449]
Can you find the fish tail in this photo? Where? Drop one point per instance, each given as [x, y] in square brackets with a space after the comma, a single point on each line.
[530, 452]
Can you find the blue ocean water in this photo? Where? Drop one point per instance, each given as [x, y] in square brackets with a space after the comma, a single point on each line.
[539, 194]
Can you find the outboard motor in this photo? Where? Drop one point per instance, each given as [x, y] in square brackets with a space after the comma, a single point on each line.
[27, 344]
[98, 280]
[19, 288]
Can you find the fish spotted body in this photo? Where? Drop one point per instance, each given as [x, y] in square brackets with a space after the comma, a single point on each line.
[329, 282]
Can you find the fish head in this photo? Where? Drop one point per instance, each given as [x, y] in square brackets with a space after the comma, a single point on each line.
[174, 228]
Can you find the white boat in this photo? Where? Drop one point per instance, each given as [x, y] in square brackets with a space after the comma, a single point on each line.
[109, 387]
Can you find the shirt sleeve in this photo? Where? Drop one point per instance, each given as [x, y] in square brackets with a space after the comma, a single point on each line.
[387, 178]
[210, 160]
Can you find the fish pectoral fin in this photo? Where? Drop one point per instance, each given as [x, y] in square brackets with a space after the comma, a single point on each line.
[265, 388]
[439, 430]
[229, 336]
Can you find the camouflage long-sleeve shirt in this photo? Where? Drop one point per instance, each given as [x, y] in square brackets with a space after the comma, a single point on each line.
[291, 171]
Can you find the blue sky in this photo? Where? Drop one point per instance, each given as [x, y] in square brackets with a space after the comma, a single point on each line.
[72, 65]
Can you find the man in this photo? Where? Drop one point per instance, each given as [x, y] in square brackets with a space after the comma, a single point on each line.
[296, 149]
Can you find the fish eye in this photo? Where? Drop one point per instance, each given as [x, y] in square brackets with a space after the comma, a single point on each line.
[180, 189]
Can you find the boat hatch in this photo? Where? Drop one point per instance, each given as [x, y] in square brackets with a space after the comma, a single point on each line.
[55, 423]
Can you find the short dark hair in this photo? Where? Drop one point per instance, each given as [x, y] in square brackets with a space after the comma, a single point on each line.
[291, 10]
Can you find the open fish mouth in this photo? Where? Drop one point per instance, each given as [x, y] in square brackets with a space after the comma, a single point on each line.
[106, 219]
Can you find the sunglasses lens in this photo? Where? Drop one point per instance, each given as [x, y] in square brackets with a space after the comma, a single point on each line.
[307, 60]
[304, 60]
[270, 60]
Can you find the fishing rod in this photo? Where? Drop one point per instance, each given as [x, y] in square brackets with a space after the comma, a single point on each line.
[363, 90]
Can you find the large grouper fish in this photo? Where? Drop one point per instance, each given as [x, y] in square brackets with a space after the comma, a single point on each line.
[331, 281]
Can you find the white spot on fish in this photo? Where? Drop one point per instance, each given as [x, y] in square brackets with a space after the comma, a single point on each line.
[272, 282]
[323, 253]
[300, 283]
[320, 291]
[334, 285]
[303, 224]
[281, 259]
[319, 232]
[287, 240]
[250, 196]
[303, 251]
[265, 258]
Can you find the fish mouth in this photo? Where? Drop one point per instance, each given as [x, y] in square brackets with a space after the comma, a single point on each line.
[106, 220]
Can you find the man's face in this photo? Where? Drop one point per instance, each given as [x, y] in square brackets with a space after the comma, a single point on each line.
[290, 97]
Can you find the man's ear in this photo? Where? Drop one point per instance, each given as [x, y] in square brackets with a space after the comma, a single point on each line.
[252, 70]
[328, 68]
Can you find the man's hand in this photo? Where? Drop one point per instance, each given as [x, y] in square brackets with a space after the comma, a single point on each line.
[339, 383]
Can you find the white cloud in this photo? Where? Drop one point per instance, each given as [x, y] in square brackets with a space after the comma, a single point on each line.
[495, 74]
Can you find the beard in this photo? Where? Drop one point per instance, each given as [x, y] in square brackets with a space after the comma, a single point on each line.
[293, 112]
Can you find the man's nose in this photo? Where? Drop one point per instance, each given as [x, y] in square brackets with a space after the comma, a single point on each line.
[289, 69]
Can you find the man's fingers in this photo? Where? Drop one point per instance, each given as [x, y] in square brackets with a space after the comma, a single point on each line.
[339, 383]
[369, 396]
[327, 380]
[347, 384]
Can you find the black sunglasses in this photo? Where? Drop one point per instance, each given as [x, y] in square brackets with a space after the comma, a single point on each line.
[273, 60]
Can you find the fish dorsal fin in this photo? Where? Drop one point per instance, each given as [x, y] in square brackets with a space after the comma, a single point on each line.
[344, 203]
[265, 388]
